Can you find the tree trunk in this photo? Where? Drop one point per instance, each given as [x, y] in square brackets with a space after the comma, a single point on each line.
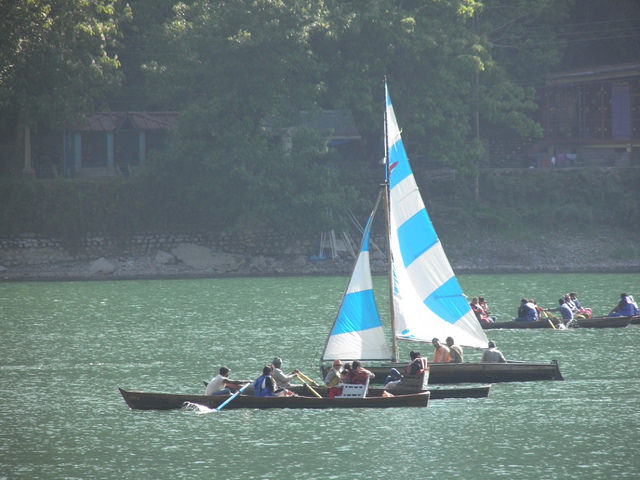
[28, 165]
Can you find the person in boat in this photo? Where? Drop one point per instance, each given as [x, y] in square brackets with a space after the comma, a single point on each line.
[455, 351]
[627, 307]
[478, 310]
[569, 302]
[333, 376]
[492, 354]
[526, 311]
[358, 374]
[282, 380]
[220, 384]
[565, 310]
[485, 308]
[417, 365]
[441, 353]
[265, 385]
[393, 379]
[581, 310]
[336, 390]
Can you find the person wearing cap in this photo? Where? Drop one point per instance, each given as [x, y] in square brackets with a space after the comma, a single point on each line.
[441, 353]
[282, 379]
[220, 384]
[333, 376]
[492, 354]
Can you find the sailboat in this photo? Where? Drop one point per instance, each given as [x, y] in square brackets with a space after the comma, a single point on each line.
[426, 300]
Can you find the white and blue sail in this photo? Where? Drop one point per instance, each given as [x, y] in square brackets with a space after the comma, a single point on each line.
[357, 331]
[428, 301]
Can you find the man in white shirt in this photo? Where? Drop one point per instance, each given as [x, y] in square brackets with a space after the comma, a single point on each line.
[219, 385]
[492, 354]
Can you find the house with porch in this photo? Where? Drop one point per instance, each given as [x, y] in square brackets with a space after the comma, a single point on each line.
[591, 117]
[112, 143]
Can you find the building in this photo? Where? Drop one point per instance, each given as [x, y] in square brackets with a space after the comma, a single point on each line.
[591, 117]
[112, 143]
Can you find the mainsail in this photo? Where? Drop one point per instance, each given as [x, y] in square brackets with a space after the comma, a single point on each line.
[357, 332]
[427, 299]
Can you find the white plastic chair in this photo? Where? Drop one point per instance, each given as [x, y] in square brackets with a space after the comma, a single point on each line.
[353, 390]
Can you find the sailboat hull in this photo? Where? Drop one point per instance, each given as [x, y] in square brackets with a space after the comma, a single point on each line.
[479, 372]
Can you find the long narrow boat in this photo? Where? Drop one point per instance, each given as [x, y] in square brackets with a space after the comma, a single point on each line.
[635, 320]
[594, 322]
[425, 298]
[170, 401]
[479, 372]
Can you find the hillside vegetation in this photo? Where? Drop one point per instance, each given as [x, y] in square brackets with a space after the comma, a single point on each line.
[515, 204]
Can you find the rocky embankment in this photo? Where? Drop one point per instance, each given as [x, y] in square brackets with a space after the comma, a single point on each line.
[613, 253]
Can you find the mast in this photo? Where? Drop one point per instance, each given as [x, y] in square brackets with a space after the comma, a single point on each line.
[387, 210]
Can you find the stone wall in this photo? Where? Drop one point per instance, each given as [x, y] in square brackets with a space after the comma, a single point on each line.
[31, 249]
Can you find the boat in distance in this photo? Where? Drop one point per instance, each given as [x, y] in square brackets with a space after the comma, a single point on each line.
[478, 372]
[594, 322]
[170, 401]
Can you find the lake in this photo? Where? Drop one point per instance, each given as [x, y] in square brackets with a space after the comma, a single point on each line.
[68, 346]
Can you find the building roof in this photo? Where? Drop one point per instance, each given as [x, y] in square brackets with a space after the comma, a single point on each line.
[603, 72]
[111, 121]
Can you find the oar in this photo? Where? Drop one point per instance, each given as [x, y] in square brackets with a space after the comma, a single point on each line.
[300, 377]
[226, 402]
[547, 315]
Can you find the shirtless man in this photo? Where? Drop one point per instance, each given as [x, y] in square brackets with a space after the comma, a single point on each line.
[441, 353]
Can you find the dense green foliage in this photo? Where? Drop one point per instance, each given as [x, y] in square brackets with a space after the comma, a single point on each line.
[462, 73]
[516, 204]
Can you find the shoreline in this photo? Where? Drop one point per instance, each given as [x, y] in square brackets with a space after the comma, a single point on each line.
[553, 253]
[39, 274]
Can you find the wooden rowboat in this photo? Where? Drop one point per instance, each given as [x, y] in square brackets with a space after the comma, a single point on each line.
[170, 401]
[478, 372]
[595, 322]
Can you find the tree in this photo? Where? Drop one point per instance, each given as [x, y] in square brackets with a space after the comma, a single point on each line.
[56, 60]
[229, 67]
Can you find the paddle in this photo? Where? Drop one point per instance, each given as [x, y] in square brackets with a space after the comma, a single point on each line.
[310, 380]
[226, 402]
[547, 315]
[316, 394]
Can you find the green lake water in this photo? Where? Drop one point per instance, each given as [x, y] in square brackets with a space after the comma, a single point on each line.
[68, 346]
